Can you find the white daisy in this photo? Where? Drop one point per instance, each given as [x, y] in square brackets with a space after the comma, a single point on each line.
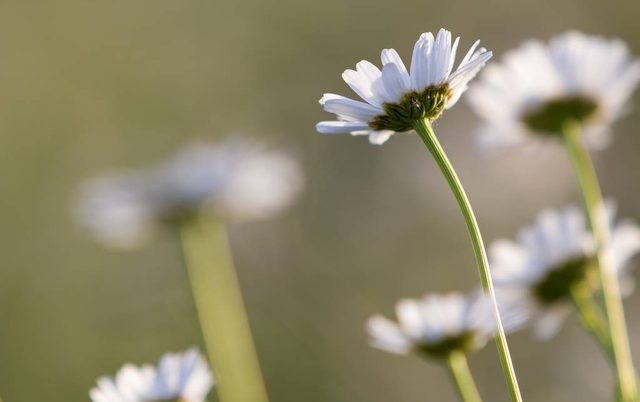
[538, 87]
[435, 325]
[394, 97]
[180, 377]
[236, 180]
[534, 274]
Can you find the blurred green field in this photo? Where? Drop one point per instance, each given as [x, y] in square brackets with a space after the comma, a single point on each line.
[89, 86]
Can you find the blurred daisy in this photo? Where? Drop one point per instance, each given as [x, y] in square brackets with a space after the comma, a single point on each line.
[538, 88]
[435, 325]
[234, 179]
[535, 275]
[180, 377]
[395, 98]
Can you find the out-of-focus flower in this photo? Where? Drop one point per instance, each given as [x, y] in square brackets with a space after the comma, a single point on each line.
[535, 275]
[394, 98]
[538, 88]
[237, 180]
[183, 377]
[435, 325]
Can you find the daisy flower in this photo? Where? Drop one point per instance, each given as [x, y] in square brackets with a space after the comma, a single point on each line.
[180, 377]
[539, 87]
[238, 181]
[435, 325]
[394, 97]
[535, 274]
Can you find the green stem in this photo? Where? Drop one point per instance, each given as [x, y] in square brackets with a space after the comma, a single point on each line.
[218, 300]
[597, 217]
[425, 131]
[461, 375]
[592, 318]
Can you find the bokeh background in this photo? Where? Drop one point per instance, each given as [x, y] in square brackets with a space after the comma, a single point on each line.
[89, 86]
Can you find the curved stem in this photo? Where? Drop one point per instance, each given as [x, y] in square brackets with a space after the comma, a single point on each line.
[461, 375]
[597, 217]
[218, 300]
[425, 131]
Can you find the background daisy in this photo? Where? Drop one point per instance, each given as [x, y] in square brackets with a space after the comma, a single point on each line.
[538, 87]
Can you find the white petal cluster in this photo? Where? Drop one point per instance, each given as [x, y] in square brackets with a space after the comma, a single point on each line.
[427, 324]
[179, 376]
[573, 65]
[235, 179]
[555, 239]
[431, 65]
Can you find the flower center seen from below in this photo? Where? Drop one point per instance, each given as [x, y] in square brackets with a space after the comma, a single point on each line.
[552, 115]
[557, 284]
[400, 116]
[462, 342]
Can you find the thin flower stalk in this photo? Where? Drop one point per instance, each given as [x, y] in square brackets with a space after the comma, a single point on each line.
[218, 300]
[461, 376]
[627, 388]
[592, 318]
[426, 133]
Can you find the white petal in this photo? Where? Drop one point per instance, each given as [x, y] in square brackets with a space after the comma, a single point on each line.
[391, 56]
[387, 336]
[469, 54]
[361, 86]
[420, 62]
[340, 127]
[625, 243]
[379, 137]
[350, 108]
[394, 81]
[373, 75]
[459, 80]
[550, 321]
[439, 58]
[452, 59]
[410, 317]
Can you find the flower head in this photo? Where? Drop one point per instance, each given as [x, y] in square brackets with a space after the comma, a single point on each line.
[435, 325]
[236, 180]
[180, 377]
[536, 274]
[538, 88]
[395, 97]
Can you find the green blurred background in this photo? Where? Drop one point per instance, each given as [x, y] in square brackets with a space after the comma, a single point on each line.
[89, 86]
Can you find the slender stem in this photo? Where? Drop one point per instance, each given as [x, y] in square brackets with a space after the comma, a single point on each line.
[597, 217]
[223, 318]
[461, 375]
[592, 318]
[425, 131]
